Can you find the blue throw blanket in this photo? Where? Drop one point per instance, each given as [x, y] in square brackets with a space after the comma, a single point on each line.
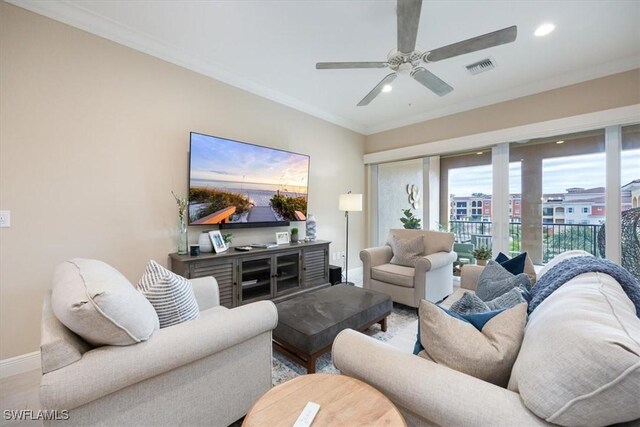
[570, 268]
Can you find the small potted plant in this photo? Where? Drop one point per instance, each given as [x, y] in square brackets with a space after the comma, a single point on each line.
[482, 254]
[228, 238]
[294, 235]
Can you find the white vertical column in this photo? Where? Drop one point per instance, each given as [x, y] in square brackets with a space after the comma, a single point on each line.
[431, 194]
[500, 198]
[613, 147]
[372, 205]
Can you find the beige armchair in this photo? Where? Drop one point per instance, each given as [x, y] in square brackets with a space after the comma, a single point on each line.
[208, 371]
[431, 279]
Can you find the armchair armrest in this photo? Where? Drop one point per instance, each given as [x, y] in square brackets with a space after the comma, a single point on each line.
[376, 256]
[435, 261]
[206, 291]
[108, 369]
[469, 276]
[434, 392]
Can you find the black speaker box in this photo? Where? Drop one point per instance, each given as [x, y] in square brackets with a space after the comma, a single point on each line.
[335, 274]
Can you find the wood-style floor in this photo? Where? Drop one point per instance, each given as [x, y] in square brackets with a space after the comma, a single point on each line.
[20, 392]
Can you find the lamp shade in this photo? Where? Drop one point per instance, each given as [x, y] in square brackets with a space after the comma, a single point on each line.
[350, 202]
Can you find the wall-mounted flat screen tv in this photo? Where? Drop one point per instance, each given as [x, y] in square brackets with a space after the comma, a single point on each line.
[237, 184]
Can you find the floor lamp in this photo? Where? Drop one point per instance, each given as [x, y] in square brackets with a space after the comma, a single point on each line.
[349, 203]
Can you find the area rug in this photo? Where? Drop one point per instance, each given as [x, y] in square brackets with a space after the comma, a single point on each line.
[402, 321]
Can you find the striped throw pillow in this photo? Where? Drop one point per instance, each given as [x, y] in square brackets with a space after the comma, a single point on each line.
[171, 295]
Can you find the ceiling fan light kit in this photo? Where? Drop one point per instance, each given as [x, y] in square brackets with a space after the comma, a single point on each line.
[406, 59]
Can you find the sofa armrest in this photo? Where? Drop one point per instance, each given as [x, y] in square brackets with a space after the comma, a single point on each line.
[434, 392]
[376, 256]
[206, 291]
[469, 276]
[108, 369]
[435, 261]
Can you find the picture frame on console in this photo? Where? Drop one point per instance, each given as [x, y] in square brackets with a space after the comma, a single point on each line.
[282, 237]
[218, 242]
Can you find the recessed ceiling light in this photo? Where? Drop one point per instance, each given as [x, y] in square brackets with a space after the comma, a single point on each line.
[544, 29]
[479, 152]
[386, 88]
[560, 142]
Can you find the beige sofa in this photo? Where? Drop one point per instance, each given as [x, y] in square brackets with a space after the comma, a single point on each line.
[208, 371]
[579, 364]
[431, 279]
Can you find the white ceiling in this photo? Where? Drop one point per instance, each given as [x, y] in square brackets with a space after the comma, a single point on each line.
[270, 48]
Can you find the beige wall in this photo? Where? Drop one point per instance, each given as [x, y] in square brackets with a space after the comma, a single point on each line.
[93, 138]
[617, 90]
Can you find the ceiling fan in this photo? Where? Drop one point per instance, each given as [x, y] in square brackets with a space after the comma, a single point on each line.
[407, 60]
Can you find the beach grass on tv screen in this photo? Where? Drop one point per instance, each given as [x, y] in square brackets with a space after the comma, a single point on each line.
[217, 200]
[287, 206]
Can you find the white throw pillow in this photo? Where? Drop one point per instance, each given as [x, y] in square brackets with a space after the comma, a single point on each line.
[171, 295]
[98, 303]
[579, 363]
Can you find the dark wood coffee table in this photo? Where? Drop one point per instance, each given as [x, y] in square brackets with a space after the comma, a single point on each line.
[308, 324]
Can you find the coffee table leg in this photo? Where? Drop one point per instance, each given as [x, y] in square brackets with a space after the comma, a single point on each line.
[383, 325]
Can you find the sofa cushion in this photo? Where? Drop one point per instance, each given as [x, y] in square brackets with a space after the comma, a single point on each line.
[487, 354]
[470, 303]
[98, 303]
[394, 274]
[406, 252]
[170, 295]
[588, 335]
[495, 280]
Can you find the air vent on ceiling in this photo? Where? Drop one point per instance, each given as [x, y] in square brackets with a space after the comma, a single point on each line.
[486, 64]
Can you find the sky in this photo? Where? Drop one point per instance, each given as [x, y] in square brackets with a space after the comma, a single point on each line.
[585, 171]
[218, 159]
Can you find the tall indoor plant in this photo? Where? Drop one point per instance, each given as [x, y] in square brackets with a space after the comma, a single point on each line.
[182, 237]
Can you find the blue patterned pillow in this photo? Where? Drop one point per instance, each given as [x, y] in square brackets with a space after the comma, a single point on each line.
[478, 320]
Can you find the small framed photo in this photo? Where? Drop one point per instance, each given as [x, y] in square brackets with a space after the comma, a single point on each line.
[217, 241]
[282, 237]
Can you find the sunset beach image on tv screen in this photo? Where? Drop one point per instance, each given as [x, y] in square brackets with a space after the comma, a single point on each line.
[236, 182]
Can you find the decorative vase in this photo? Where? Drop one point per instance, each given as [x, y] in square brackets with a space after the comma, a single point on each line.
[183, 238]
[311, 228]
[482, 262]
[294, 237]
[205, 242]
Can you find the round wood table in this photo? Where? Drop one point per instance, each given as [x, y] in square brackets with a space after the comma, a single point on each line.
[343, 401]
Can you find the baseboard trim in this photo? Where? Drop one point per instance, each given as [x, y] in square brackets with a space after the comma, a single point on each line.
[19, 364]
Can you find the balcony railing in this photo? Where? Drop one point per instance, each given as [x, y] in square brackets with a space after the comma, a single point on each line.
[556, 238]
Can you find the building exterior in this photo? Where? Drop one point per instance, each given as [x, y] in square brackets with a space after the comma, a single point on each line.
[575, 206]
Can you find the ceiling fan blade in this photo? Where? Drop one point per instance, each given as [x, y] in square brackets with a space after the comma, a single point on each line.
[408, 20]
[376, 90]
[345, 65]
[430, 81]
[485, 41]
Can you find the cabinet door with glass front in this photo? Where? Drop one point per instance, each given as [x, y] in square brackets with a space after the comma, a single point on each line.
[254, 281]
[286, 273]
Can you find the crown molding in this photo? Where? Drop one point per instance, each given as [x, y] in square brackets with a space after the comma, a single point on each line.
[71, 13]
[74, 15]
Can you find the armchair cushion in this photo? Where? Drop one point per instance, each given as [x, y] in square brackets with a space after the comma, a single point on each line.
[406, 252]
[434, 241]
[171, 295]
[394, 274]
[487, 354]
[98, 303]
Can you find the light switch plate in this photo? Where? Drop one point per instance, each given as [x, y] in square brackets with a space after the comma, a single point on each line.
[5, 219]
